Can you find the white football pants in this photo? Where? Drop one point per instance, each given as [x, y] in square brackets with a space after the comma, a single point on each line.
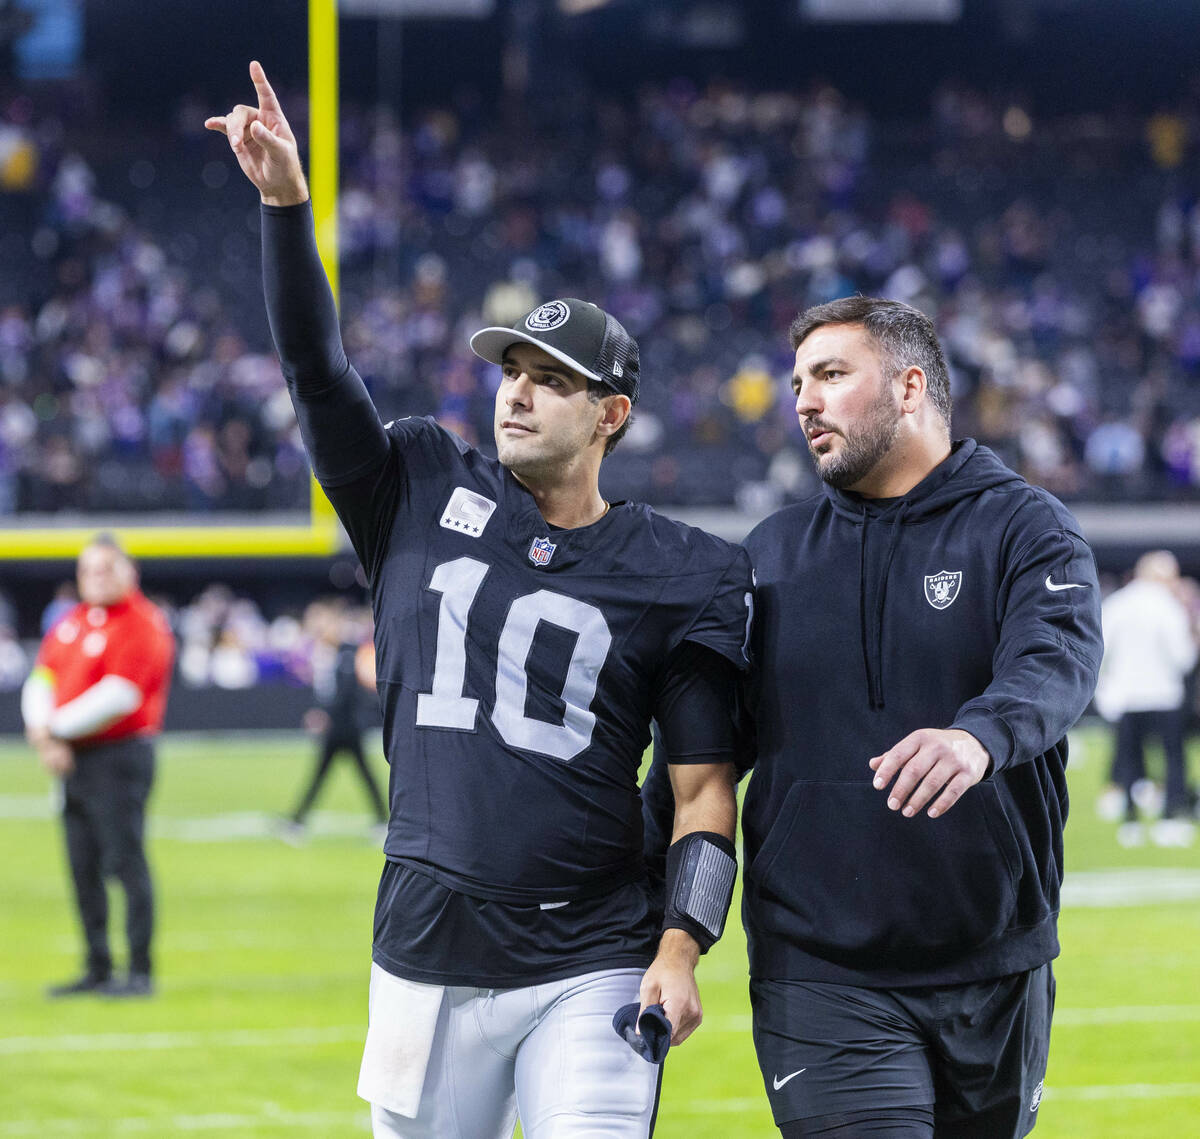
[547, 1053]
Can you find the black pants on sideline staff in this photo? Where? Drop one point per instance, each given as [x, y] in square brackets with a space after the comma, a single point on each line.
[1134, 731]
[104, 815]
[331, 747]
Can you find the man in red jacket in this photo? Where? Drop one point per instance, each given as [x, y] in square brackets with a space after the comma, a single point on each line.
[92, 705]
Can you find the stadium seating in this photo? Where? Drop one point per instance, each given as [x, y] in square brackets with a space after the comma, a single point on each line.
[1057, 256]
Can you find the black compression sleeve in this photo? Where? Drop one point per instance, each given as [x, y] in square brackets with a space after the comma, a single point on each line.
[340, 426]
[695, 714]
[696, 706]
[304, 321]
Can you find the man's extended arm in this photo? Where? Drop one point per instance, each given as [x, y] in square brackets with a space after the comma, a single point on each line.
[341, 429]
[1043, 676]
[695, 712]
[705, 810]
[342, 432]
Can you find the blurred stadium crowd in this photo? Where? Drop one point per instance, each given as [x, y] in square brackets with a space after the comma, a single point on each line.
[225, 640]
[1059, 257]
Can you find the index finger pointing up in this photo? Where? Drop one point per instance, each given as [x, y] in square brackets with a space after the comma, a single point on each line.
[266, 96]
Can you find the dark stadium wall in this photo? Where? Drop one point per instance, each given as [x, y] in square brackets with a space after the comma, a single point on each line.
[273, 707]
[126, 42]
[1059, 55]
[275, 585]
[279, 586]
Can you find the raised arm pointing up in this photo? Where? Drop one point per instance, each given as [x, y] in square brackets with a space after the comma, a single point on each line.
[342, 431]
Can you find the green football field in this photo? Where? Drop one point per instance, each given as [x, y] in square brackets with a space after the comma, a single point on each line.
[263, 952]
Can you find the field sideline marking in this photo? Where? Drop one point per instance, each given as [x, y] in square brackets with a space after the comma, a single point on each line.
[347, 1033]
[1125, 1014]
[1082, 889]
[160, 1041]
[1124, 1091]
[276, 1117]
[224, 827]
[273, 1117]
[1129, 887]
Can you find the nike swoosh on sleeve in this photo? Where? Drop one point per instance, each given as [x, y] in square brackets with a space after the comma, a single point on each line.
[1056, 588]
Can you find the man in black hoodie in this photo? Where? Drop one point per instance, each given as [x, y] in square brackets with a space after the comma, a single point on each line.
[928, 630]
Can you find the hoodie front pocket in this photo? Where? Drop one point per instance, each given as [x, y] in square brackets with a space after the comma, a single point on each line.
[850, 881]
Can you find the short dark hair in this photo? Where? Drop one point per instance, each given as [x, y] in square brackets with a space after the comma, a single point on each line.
[904, 335]
[596, 391]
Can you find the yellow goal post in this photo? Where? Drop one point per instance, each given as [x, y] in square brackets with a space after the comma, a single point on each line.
[320, 535]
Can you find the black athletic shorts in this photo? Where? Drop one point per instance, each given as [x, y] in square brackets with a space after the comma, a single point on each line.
[976, 1052]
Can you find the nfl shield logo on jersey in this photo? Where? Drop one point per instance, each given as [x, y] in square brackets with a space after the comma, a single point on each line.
[942, 588]
[541, 551]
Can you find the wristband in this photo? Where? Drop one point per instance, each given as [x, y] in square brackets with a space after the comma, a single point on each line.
[701, 868]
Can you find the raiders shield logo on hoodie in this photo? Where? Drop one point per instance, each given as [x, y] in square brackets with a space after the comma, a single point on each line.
[942, 588]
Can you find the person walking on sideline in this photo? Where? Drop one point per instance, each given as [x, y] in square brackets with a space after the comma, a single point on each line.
[1149, 650]
[339, 721]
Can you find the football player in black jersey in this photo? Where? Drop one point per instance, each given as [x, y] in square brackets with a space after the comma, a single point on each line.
[527, 632]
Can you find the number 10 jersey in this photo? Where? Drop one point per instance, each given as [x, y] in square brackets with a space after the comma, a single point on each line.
[518, 665]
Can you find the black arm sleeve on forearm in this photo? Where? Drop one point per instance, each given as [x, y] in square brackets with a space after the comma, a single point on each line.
[341, 429]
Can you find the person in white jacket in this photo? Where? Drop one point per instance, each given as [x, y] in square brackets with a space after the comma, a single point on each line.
[1150, 648]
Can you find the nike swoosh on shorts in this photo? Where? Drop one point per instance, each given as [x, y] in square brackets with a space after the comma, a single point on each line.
[779, 1083]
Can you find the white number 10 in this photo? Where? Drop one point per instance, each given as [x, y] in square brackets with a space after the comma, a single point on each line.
[447, 706]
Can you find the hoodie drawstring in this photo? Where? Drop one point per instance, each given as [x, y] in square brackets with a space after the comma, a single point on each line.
[893, 542]
[872, 639]
[862, 607]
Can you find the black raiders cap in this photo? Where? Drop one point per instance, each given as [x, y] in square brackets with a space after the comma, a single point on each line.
[577, 333]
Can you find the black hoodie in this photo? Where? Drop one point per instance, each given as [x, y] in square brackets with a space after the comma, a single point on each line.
[971, 602]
